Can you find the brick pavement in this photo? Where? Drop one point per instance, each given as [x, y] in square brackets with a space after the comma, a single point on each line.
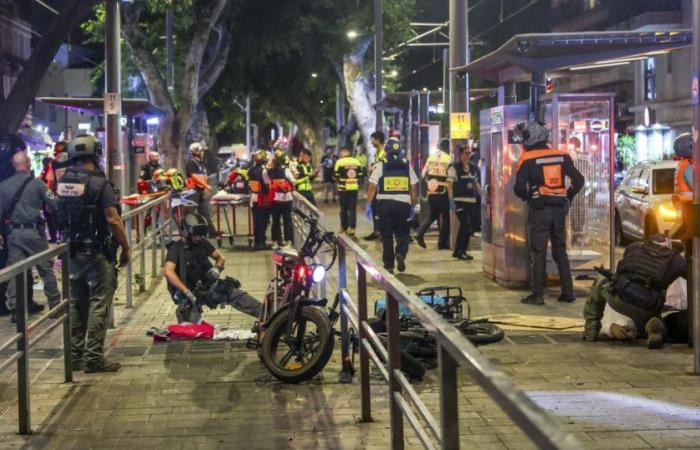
[216, 394]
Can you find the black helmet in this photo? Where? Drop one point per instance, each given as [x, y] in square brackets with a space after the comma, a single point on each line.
[392, 146]
[683, 146]
[85, 145]
[444, 145]
[532, 133]
[194, 225]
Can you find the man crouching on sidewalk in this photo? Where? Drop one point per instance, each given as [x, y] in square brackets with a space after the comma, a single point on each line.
[194, 281]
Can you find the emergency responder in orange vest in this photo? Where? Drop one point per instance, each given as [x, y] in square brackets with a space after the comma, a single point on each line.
[281, 186]
[683, 181]
[435, 175]
[259, 183]
[540, 181]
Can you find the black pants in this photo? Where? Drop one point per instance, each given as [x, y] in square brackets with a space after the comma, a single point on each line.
[545, 225]
[464, 215]
[375, 218]
[439, 207]
[282, 211]
[475, 215]
[348, 209]
[261, 219]
[393, 222]
[309, 195]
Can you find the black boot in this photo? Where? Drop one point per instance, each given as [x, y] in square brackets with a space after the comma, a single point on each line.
[532, 299]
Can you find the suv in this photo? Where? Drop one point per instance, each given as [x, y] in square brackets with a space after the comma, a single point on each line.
[643, 205]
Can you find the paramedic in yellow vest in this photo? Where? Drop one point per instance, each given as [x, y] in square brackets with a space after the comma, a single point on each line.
[435, 175]
[540, 180]
[394, 186]
[348, 173]
[377, 139]
[305, 175]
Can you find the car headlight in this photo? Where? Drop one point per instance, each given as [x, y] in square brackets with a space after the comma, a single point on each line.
[667, 213]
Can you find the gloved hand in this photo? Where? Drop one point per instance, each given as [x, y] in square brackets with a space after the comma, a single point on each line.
[453, 205]
[213, 274]
[369, 213]
[190, 296]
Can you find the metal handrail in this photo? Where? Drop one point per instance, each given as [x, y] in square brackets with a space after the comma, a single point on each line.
[454, 350]
[301, 228]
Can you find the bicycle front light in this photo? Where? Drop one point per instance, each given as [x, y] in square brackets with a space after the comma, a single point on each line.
[318, 273]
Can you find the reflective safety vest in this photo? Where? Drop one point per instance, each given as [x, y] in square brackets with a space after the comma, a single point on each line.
[464, 188]
[680, 184]
[348, 172]
[303, 181]
[436, 173]
[280, 186]
[395, 182]
[551, 163]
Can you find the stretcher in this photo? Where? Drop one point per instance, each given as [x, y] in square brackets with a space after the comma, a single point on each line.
[222, 200]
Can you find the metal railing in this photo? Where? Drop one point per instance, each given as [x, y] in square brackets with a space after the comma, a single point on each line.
[59, 313]
[301, 228]
[159, 232]
[454, 351]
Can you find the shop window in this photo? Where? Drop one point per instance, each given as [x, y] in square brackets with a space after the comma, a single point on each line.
[650, 79]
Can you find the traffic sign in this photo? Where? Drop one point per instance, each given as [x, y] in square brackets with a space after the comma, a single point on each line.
[112, 103]
[460, 125]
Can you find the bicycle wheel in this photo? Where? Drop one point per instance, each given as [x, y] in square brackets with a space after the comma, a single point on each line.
[481, 332]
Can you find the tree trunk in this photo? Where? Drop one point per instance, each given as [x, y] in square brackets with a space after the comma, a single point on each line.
[171, 142]
[360, 95]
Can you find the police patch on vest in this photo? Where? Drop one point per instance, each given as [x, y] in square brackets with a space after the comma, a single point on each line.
[395, 184]
[433, 185]
[351, 173]
[70, 190]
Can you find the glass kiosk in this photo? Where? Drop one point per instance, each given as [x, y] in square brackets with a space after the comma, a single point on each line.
[581, 124]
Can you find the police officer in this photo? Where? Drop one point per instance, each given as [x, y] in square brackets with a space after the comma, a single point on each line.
[540, 181]
[393, 184]
[259, 182]
[464, 196]
[22, 198]
[305, 176]
[195, 166]
[435, 175]
[281, 187]
[90, 221]
[150, 167]
[348, 173]
[377, 140]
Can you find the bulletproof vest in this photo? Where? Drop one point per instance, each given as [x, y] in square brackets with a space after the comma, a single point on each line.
[395, 178]
[648, 262]
[465, 185]
[81, 220]
[193, 262]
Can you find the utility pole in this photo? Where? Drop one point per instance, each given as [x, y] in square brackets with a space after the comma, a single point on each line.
[378, 54]
[248, 142]
[115, 164]
[170, 68]
[694, 272]
[459, 55]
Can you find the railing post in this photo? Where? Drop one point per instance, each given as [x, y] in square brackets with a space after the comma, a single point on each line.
[129, 275]
[154, 244]
[347, 370]
[65, 293]
[395, 414]
[449, 422]
[364, 356]
[23, 407]
[140, 219]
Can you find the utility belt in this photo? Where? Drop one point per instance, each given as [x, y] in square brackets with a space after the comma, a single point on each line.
[24, 226]
[91, 248]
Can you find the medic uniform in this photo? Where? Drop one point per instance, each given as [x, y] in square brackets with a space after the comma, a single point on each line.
[348, 172]
[540, 181]
[259, 183]
[435, 174]
[281, 187]
[304, 181]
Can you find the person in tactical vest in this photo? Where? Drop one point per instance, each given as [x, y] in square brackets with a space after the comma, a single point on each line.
[435, 175]
[260, 202]
[194, 281]
[636, 290]
[89, 213]
[305, 176]
[540, 181]
[393, 184]
[22, 198]
[465, 195]
[148, 169]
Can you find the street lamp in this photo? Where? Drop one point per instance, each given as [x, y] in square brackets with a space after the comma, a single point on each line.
[394, 73]
[314, 75]
[352, 34]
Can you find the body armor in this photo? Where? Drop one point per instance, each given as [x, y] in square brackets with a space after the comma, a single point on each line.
[647, 262]
[395, 179]
[464, 188]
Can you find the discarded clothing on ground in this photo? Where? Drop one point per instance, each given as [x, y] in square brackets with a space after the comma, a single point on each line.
[198, 331]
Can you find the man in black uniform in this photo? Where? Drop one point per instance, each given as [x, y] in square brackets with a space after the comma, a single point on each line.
[194, 281]
[540, 181]
[394, 186]
[89, 212]
[465, 194]
[195, 166]
[151, 166]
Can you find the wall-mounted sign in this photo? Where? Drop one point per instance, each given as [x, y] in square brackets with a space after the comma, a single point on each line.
[112, 103]
[460, 125]
[598, 125]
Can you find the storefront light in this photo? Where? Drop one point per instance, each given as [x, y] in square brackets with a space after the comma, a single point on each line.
[153, 121]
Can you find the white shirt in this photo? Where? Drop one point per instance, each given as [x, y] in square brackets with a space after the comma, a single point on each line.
[377, 174]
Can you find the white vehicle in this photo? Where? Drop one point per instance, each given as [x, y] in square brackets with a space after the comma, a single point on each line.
[643, 205]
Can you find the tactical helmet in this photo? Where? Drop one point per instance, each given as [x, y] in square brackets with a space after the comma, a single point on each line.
[194, 224]
[85, 145]
[392, 146]
[444, 145]
[683, 146]
[261, 156]
[532, 133]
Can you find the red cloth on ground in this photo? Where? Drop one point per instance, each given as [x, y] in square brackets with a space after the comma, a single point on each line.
[202, 330]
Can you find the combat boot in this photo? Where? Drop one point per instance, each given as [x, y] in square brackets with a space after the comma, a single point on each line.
[103, 366]
[656, 332]
[532, 299]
